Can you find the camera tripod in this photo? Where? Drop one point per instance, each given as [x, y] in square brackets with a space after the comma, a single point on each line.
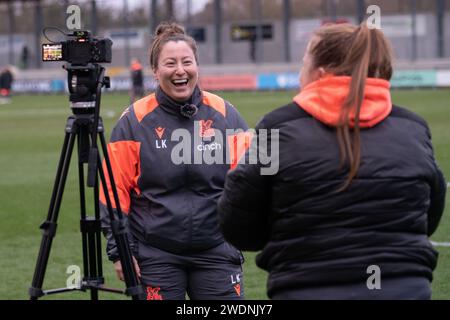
[85, 127]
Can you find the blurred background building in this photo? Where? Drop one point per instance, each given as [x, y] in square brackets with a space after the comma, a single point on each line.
[234, 36]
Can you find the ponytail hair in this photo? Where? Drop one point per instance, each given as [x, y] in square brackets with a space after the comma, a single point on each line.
[166, 32]
[357, 52]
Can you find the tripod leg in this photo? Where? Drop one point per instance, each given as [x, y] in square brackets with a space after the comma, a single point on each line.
[87, 226]
[90, 227]
[82, 209]
[98, 232]
[49, 225]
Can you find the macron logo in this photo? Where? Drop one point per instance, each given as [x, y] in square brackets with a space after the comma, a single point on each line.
[160, 132]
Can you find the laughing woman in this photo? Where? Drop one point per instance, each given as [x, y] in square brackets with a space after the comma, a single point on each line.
[169, 197]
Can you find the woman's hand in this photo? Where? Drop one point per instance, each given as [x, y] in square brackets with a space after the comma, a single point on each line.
[119, 271]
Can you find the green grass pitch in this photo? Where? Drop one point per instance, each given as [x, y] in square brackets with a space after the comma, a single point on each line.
[32, 131]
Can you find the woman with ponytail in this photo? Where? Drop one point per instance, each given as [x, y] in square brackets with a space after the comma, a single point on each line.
[358, 191]
[168, 156]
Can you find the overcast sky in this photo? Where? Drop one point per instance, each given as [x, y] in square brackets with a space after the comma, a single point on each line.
[196, 4]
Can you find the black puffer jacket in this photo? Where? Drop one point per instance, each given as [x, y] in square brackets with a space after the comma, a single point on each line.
[312, 235]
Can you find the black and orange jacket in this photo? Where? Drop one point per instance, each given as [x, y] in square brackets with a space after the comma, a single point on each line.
[173, 205]
[310, 234]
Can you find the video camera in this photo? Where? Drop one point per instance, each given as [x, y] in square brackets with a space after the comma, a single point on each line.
[79, 48]
[85, 76]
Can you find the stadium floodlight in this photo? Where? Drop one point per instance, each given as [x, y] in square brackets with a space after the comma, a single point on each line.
[86, 78]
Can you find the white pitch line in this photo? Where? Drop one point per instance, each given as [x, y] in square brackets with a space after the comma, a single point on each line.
[448, 184]
[440, 244]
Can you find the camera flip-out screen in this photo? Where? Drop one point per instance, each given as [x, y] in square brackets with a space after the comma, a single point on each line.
[52, 52]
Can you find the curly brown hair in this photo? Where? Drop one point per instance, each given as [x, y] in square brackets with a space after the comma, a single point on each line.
[166, 32]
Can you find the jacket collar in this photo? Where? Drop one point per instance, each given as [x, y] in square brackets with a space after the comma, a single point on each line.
[323, 99]
[171, 106]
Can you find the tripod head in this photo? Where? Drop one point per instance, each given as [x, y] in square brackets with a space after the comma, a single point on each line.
[85, 83]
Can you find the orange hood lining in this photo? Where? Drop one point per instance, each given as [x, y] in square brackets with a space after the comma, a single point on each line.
[323, 99]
